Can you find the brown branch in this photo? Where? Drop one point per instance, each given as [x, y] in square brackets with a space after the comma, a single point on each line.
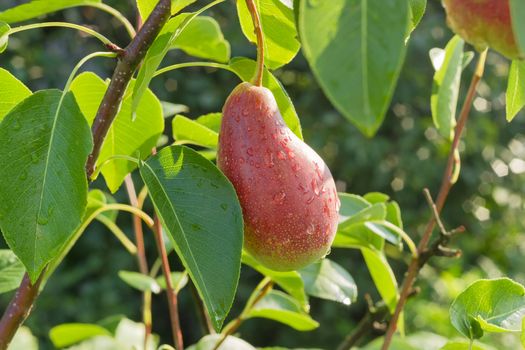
[170, 291]
[129, 59]
[18, 309]
[446, 184]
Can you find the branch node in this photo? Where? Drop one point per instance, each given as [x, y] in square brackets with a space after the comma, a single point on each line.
[117, 49]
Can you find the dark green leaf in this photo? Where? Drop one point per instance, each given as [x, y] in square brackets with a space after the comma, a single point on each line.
[198, 207]
[280, 35]
[445, 88]
[496, 305]
[71, 333]
[372, 34]
[517, 11]
[11, 271]
[245, 69]
[230, 343]
[12, 91]
[51, 140]
[203, 38]
[290, 281]
[515, 89]
[125, 137]
[140, 281]
[328, 280]
[36, 8]
[282, 308]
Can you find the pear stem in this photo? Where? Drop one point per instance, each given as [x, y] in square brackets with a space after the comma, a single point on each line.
[252, 7]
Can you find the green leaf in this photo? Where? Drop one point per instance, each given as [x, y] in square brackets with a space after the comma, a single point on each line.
[522, 336]
[11, 271]
[130, 335]
[372, 34]
[4, 36]
[139, 281]
[71, 333]
[517, 12]
[515, 89]
[146, 6]
[199, 209]
[327, 280]
[12, 91]
[393, 214]
[415, 341]
[230, 343]
[171, 31]
[278, 26]
[417, 10]
[290, 281]
[383, 276]
[374, 212]
[203, 38]
[445, 88]
[179, 280]
[376, 197]
[37, 8]
[465, 345]
[46, 141]
[282, 308]
[496, 305]
[98, 199]
[358, 236]
[351, 204]
[125, 136]
[170, 109]
[245, 68]
[211, 121]
[186, 130]
[24, 340]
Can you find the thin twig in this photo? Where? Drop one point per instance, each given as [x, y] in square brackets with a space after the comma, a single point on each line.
[252, 7]
[170, 291]
[446, 184]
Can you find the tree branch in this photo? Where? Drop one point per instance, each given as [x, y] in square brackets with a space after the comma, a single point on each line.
[447, 182]
[18, 309]
[129, 59]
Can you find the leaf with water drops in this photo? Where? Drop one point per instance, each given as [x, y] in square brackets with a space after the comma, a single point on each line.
[45, 143]
[199, 210]
[328, 280]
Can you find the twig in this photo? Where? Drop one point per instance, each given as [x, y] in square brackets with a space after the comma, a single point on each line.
[126, 66]
[446, 184]
[18, 309]
[141, 257]
[170, 291]
[252, 7]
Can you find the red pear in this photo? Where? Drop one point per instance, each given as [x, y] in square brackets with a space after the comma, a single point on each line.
[483, 23]
[287, 194]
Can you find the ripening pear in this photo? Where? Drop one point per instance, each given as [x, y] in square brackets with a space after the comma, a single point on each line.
[483, 23]
[287, 194]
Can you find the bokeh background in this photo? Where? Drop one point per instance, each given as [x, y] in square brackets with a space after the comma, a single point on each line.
[405, 156]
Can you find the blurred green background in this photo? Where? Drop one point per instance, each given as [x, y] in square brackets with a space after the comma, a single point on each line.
[406, 156]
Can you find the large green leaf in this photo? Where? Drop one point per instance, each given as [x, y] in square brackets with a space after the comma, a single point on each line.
[280, 35]
[496, 305]
[71, 333]
[383, 276]
[45, 143]
[203, 38]
[125, 136]
[290, 281]
[146, 6]
[245, 69]
[282, 308]
[328, 280]
[12, 91]
[11, 271]
[4, 36]
[516, 89]
[230, 343]
[199, 209]
[36, 8]
[517, 11]
[445, 88]
[355, 49]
